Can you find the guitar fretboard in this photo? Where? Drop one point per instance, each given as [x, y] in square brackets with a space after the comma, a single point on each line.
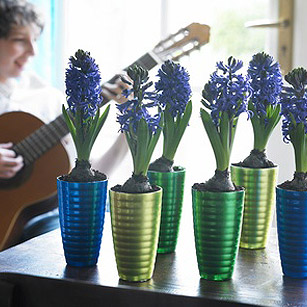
[40, 141]
[147, 61]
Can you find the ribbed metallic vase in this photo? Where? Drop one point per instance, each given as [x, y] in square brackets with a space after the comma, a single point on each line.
[135, 222]
[172, 198]
[217, 220]
[259, 203]
[81, 211]
[291, 209]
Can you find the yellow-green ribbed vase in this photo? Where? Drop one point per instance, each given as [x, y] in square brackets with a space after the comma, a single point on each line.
[259, 202]
[135, 220]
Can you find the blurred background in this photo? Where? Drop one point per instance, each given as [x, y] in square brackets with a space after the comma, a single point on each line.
[117, 33]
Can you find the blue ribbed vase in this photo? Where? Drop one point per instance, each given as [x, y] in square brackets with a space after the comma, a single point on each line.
[291, 209]
[82, 211]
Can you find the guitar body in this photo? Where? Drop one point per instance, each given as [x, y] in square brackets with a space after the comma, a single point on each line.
[18, 201]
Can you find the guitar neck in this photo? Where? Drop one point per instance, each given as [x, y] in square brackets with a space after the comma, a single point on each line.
[147, 61]
[40, 141]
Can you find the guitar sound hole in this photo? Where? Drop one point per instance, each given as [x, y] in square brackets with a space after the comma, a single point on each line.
[21, 177]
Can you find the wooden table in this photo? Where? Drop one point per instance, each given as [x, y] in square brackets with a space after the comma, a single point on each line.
[34, 274]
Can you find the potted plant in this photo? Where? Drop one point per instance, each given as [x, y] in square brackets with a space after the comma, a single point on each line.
[136, 205]
[256, 173]
[82, 193]
[173, 94]
[218, 203]
[291, 196]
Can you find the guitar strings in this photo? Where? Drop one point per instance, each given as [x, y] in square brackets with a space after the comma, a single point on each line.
[40, 141]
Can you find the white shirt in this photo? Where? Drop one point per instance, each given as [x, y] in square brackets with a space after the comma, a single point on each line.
[32, 95]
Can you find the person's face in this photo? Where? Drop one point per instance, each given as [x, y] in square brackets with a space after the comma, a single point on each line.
[15, 51]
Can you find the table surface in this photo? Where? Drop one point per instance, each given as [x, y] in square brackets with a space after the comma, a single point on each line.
[39, 270]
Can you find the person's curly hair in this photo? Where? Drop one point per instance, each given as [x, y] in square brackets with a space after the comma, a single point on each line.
[20, 13]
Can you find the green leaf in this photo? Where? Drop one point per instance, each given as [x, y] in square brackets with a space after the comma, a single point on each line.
[98, 124]
[132, 146]
[262, 129]
[174, 130]
[74, 131]
[183, 122]
[153, 142]
[298, 139]
[224, 132]
[168, 130]
[214, 137]
[91, 127]
[276, 116]
[69, 123]
[142, 144]
[132, 139]
[233, 129]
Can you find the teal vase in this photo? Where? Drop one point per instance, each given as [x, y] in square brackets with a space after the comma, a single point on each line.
[217, 220]
[172, 184]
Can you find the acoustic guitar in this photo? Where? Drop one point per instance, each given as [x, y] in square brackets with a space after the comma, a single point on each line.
[22, 197]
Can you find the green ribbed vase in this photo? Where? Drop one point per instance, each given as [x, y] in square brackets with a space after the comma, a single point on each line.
[172, 198]
[135, 220]
[259, 203]
[217, 220]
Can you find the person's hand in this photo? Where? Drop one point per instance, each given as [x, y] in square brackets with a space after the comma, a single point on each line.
[113, 91]
[9, 163]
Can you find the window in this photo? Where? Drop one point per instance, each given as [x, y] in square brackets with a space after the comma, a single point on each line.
[118, 32]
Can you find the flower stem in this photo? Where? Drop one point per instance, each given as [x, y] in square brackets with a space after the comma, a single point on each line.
[299, 141]
[174, 129]
[264, 126]
[300, 157]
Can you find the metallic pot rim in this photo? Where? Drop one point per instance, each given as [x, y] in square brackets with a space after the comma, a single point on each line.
[242, 190]
[136, 194]
[290, 191]
[177, 169]
[81, 183]
[252, 169]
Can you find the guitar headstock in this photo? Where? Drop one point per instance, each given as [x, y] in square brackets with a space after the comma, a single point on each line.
[183, 42]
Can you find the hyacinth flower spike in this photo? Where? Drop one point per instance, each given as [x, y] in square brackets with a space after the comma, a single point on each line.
[136, 205]
[256, 173]
[141, 120]
[225, 97]
[266, 84]
[173, 94]
[294, 125]
[83, 113]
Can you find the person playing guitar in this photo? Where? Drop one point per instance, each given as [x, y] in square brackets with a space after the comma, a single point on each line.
[20, 26]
